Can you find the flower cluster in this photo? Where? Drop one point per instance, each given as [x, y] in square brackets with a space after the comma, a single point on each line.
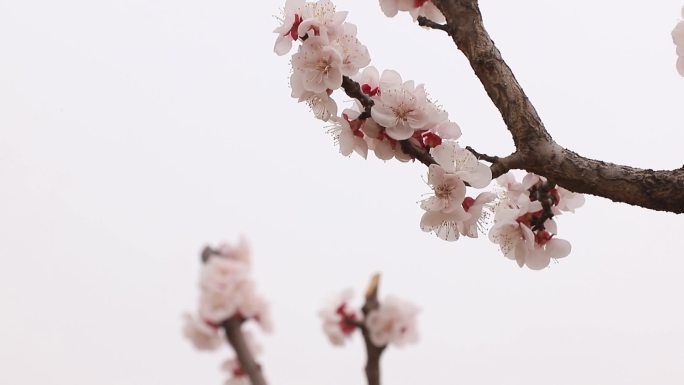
[678, 38]
[524, 227]
[226, 292]
[394, 118]
[392, 322]
[330, 54]
[449, 213]
[415, 7]
[339, 318]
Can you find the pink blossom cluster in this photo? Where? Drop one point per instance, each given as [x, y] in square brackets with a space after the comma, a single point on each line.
[392, 116]
[449, 212]
[523, 228]
[226, 291]
[329, 52]
[678, 38]
[401, 111]
[415, 7]
[392, 322]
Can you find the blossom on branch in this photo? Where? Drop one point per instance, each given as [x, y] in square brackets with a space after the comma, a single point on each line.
[415, 7]
[321, 18]
[401, 109]
[203, 335]
[348, 135]
[288, 30]
[317, 66]
[524, 227]
[338, 318]
[393, 322]
[228, 298]
[462, 163]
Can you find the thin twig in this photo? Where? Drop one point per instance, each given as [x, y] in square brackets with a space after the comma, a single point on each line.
[425, 22]
[481, 156]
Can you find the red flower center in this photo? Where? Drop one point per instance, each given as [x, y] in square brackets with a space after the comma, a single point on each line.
[468, 203]
[295, 26]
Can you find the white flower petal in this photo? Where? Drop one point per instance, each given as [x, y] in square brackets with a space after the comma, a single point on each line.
[558, 248]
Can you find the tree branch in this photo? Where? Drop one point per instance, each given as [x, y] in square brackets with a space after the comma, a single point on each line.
[373, 352]
[536, 151]
[233, 328]
[423, 155]
[353, 89]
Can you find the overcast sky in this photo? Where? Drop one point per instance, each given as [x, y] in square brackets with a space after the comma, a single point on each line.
[132, 133]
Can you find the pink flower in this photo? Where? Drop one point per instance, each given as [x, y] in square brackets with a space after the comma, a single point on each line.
[449, 192]
[428, 10]
[517, 241]
[321, 104]
[449, 226]
[354, 54]
[238, 376]
[394, 322]
[226, 288]
[369, 80]
[401, 109]
[317, 66]
[349, 139]
[256, 308]
[474, 207]
[391, 7]
[321, 19]
[462, 163]
[335, 315]
[241, 252]
[287, 32]
[202, 335]
[568, 200]
[512, 188]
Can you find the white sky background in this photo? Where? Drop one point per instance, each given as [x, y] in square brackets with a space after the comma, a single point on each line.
[134, 132]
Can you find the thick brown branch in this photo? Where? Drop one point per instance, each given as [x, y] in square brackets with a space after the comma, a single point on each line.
[233, 329]
[466, 28]
[657, 190]
[536, 150]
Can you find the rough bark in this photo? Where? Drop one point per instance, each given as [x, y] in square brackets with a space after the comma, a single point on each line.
[536, 150]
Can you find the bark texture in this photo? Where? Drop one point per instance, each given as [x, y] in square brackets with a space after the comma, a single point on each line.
[536, 150]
